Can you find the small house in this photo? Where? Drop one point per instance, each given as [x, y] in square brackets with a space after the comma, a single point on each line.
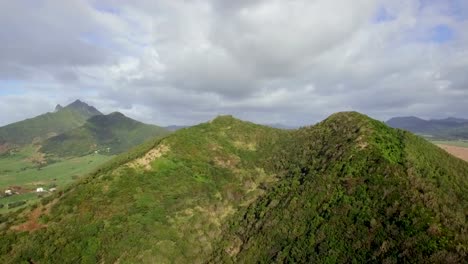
[52, 189]
[8, 192]
[39, 190]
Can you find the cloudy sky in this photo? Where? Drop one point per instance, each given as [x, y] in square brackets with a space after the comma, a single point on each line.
[269, 61]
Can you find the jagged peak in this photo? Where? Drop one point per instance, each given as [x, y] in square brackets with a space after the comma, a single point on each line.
[83, 107]
[58, 108]
[78, 104]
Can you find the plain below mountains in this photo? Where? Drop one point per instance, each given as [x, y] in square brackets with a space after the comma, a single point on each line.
[347, 190]
[448, 128]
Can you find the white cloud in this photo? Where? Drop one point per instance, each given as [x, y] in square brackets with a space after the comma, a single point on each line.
[269, 61]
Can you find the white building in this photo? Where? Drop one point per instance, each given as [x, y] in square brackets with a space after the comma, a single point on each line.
[52, 189]
[8, 192]
[40, 189]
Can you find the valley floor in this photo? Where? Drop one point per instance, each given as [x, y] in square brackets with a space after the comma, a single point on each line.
[457, 151]
[20, 174]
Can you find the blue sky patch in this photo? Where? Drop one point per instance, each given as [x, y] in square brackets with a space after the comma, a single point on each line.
[107, 9]
[10, 87]
[383, 15]
[441, 34]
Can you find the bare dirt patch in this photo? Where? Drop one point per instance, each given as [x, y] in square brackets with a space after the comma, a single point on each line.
[245, 145]
[149, 157]
[38, 157]
[459, 152]
[228, 162]
[33, 224]
[4, 148]
[18, 189]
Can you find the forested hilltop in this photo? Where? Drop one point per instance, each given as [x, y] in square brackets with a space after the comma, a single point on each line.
[349, 189]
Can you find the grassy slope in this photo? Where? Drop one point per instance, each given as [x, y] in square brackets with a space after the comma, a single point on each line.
[113, 131]
[355, 191]
[24, 132]
[347, 190]
[19, 160]
[170, 212]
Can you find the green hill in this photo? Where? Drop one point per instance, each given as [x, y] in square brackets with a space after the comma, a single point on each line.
[348, 189]
[46, 125]
[355, 191]
[107, 134]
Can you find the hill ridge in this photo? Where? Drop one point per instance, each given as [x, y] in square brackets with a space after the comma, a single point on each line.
[111, 134]
[349, 189]
[48, 124]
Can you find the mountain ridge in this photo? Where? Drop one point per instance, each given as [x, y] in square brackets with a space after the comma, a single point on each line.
[48, 124]
[446, 128]
[111, 134]
[348, 189]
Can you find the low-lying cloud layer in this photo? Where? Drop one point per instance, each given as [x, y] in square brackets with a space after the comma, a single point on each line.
[269, 61]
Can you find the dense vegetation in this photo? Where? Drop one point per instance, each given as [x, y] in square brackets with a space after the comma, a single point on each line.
[107, 134]
[354, 190]
[46, 125]
[349, 189]
[169, 209]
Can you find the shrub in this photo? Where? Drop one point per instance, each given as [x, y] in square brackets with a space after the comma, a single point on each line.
[16, 204]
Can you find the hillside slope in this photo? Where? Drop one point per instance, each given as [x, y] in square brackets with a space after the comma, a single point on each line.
[163, 202]
[355, 190]
[348, 189]
[46, 125]
[107, 134]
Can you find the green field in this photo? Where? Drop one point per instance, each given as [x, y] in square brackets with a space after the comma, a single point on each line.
[30, 198]
[18, 170]
[17, 161]
[457, 143]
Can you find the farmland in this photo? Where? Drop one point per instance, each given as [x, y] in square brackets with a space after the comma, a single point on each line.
[23, 174]
[457, 151]
[456, 143]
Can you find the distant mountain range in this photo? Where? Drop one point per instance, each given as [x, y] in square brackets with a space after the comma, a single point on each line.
[448, 128]
[78, 129]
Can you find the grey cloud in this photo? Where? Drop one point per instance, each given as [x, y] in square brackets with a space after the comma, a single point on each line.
[67, 76]
[295, 62]
[39, 36]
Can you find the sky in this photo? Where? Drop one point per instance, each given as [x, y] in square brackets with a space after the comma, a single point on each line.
[268, 61]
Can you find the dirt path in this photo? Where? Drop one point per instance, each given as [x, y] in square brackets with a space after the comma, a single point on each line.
[459, 152]
[33, 223]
